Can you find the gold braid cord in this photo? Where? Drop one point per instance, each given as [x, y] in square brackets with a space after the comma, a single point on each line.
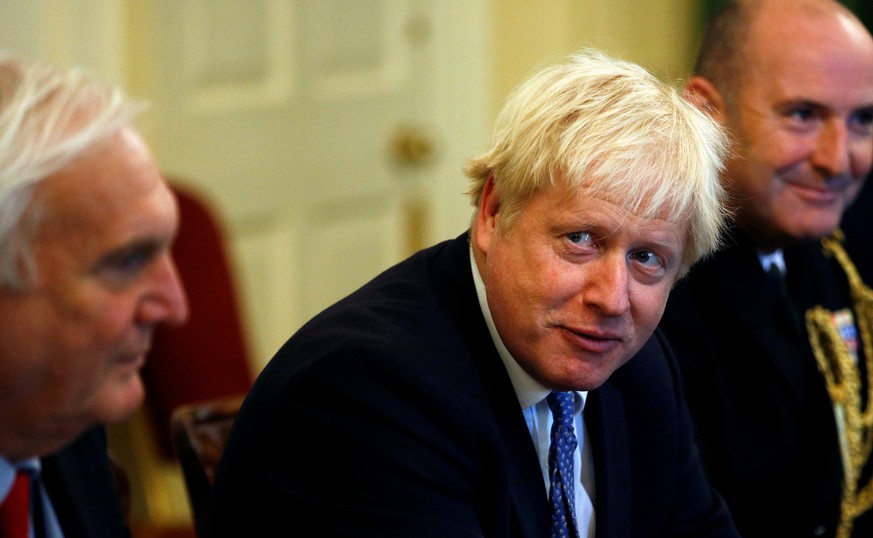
[837, 364]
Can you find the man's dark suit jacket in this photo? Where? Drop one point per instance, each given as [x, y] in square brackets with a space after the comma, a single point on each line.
[765, 422]
[858, 227]
[80, 484]
[391, 414]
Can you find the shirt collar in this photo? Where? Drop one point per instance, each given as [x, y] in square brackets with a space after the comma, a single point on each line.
[768, 259]
[8, 470]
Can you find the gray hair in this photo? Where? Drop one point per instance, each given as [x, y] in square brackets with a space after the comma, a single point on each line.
[48, 118]
[609, 129]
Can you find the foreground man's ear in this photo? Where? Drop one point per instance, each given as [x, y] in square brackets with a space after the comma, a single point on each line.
[486, 217]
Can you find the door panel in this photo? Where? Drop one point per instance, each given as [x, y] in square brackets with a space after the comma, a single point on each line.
[293, 115]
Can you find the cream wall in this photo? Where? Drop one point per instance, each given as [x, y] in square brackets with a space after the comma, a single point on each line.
[526, 34]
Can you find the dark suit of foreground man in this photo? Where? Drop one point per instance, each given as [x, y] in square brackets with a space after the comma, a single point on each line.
[416, 405]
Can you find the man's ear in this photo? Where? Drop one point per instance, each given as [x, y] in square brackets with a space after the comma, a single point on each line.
[701, 92]
[486, 217]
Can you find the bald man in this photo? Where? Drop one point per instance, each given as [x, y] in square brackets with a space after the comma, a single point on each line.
[767, 332]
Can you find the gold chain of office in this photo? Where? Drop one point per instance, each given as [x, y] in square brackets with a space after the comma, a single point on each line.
[838, 365]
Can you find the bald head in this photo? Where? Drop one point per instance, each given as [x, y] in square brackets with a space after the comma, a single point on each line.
[748, 34]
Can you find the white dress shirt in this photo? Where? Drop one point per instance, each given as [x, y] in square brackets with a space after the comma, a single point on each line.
[768, 259]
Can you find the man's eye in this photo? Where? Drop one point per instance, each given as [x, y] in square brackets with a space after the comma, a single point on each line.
[128, 263]
[580, 238]
[131, 261]
[862, 122]
[802, 114]
[645, 257]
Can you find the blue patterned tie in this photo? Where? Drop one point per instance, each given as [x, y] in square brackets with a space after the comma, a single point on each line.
[562, 497]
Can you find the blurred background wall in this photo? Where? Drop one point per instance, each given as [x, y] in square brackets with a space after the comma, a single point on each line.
[325, 137]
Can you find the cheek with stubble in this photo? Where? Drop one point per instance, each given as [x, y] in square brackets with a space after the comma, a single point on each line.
[107, 373]
[647, 309]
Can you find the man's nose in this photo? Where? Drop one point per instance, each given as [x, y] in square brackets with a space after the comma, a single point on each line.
[831, 154]
[608, 288]
[166, 301]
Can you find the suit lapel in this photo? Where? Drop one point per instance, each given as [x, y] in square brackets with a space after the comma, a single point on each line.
[607, 432]
[528, 499]
[755, 308]
[80, 485]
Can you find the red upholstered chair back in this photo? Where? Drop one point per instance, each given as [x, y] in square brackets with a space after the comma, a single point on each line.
[206, 358]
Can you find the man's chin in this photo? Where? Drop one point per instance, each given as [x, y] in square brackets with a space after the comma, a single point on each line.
[809, 229]
[122, 399]
[814, 233]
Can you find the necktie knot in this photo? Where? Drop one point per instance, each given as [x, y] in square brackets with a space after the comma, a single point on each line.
[776, 273]
[563, 407]
[787, 305]
[15, 509]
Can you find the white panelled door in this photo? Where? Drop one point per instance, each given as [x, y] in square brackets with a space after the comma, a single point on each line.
[329, 133]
